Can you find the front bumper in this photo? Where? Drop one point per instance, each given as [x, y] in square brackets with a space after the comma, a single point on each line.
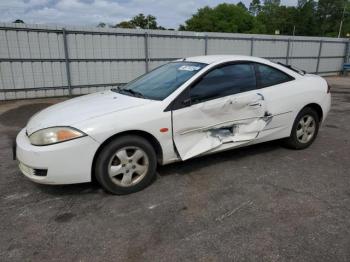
[328, 104]
[66, 163]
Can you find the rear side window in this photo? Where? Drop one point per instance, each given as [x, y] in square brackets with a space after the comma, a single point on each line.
[270, 76]
[224, 81]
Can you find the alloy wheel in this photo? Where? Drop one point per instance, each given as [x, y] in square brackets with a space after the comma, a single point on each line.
[306, 129]
[128, 166]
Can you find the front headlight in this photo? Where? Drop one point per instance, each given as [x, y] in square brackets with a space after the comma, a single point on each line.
[53, 135]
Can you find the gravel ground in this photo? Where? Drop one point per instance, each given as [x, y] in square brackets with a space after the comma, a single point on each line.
[260, 203]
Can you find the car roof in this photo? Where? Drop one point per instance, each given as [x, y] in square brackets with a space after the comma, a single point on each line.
[209, 59]
[218, 59]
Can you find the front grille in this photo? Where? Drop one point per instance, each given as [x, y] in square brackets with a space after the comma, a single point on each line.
[40, 172]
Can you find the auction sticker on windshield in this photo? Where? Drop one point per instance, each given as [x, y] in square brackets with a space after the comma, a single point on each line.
[189, 68]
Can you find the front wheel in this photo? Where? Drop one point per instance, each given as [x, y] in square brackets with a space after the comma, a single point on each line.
[126, 165]
[305, 129]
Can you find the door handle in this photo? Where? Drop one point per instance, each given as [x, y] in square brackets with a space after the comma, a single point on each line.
[255, 104]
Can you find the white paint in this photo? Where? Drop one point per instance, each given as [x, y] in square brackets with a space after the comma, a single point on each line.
[102, 115]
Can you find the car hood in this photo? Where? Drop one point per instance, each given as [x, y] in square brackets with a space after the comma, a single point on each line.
[82, 108]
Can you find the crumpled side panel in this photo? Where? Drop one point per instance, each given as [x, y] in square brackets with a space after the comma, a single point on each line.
[206, 126]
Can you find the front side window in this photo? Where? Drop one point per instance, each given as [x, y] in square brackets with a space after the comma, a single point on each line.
[270, 76]
[224, 81]
[162, 81]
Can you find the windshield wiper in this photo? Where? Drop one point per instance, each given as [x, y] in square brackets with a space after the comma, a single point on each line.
[133, 92]
[130, 91]
[117, 89]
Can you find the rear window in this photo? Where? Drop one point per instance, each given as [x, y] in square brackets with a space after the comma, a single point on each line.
[270, 76]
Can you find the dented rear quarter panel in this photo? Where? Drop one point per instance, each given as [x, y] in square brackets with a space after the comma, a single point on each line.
[285, 101]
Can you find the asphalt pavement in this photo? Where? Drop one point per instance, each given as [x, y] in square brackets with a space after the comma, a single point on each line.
[260, 203]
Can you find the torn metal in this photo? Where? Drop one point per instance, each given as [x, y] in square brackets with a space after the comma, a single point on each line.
[207, 126]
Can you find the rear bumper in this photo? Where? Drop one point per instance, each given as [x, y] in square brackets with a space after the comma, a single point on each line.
[66, 163]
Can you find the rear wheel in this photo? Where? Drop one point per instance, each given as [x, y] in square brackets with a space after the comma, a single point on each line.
[126, 165]
[305, 129]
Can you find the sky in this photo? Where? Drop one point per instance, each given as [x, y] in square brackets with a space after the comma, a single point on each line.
[169, 13]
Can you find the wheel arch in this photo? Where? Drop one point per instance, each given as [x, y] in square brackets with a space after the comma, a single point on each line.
[149, 137]
[317, 108]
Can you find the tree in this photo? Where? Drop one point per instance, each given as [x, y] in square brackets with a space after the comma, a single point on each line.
[222, 18]
[141, 21]
[125, 24]
[329, 15]
[306, 20]
[242, 5]
[145, 22]
[18, 21]
[255, 7]
[346, 22]
[101, 25]
[272, 2]
[308, 17]
[277, 17]
[301, 3]
[271, 6]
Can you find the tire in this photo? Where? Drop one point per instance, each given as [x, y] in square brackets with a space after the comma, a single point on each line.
[301, 136]
[126, 165]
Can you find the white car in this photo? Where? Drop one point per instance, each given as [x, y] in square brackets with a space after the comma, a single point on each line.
[183, 109]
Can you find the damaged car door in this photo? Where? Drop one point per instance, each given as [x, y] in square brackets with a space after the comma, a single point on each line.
[223, 107]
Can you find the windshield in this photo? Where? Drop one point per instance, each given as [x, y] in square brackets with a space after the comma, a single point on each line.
[162, 81]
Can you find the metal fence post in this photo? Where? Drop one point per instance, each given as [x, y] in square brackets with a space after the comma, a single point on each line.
[347, 52]
[252, 46]
[346, 55]
[146, 52]
[206, 45]
[319, 57]
[66, 57]
[288, 48]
